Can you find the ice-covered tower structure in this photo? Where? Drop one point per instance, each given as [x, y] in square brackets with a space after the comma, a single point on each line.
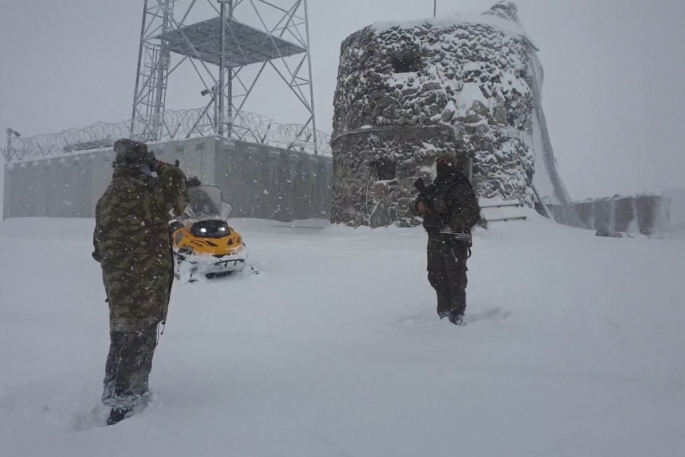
[409, 91]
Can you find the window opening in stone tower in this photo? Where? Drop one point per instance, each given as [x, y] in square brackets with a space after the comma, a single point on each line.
[406, 62]
[383, 169]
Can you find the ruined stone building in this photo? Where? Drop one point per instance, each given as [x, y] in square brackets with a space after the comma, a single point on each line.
[409, 91]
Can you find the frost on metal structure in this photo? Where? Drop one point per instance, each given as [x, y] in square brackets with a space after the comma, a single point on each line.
[255, 128]
[219, 48]
[410, 91]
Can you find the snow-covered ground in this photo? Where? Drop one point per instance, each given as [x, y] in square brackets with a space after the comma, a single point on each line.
[576, 347]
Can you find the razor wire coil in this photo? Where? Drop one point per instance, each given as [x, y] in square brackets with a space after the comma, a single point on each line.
[176, 124]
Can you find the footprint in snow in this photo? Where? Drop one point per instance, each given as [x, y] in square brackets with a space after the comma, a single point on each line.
[86, 420]
[492, 314]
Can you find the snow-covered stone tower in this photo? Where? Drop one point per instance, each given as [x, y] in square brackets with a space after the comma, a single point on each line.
[409, 91]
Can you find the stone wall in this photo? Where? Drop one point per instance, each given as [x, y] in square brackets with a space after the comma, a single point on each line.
[378, 190]
[408, 92]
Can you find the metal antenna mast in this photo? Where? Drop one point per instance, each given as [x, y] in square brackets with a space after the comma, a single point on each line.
[152, 71]
[220, 48]
[222, 68]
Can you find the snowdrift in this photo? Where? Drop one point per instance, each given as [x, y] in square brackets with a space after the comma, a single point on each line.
[574, 347]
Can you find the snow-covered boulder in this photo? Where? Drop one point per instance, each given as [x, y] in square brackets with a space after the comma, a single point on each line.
[409, 91]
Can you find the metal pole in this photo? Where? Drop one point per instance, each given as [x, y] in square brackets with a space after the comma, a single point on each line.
[215, 101]
[229, 88]
[199, 119]
[435, 8]
[311, 79]
[222, 70]
[229, 98]
[9, 145]
[8, 158]
[162, 68]
[140, 60]
[544, 207]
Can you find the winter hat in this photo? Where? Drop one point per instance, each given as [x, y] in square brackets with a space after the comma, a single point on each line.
[130, 153]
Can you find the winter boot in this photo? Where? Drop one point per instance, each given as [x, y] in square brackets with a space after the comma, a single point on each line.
[117, 415]
[457, 319]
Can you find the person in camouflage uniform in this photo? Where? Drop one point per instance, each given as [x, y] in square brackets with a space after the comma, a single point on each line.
[450, 210]
[133, 247]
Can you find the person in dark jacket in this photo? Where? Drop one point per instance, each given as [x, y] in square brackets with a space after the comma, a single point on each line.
[131, 243]
[194, 181]
[450, 210]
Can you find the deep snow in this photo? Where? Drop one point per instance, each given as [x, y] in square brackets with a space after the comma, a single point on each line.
[575, 347]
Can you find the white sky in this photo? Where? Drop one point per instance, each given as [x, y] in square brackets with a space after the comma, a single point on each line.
[614, 92]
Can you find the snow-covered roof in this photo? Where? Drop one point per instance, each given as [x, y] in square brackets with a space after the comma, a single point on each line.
[495, 21]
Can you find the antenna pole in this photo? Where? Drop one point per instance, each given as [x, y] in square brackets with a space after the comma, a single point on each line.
[222, 71]
[311, 79]
[140, 60]
[229, 84]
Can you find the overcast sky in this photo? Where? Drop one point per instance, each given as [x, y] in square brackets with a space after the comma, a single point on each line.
[614, 91]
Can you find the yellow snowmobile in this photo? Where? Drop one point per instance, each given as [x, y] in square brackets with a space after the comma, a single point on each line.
[203, 242]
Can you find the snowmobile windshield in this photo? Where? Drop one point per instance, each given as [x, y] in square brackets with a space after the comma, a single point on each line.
[206, 202]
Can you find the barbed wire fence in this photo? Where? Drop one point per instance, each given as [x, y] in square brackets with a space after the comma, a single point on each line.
[178, 124]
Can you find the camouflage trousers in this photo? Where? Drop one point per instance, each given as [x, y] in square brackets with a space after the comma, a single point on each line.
[128, 367]
[447, 273]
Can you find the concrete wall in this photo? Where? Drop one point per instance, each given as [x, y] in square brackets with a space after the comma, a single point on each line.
[674, 200]
[260, 181]
[645, 214]
[271, 183]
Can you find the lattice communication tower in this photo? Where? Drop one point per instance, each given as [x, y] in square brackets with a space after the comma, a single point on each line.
[219, 49]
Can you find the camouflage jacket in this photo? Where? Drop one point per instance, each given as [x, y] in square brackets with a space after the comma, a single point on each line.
[132, 243]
